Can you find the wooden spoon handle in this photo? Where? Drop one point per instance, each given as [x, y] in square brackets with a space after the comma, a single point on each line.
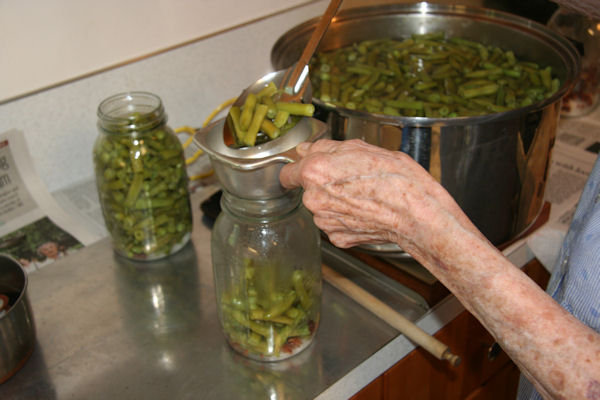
[389, 315]
[311, 46]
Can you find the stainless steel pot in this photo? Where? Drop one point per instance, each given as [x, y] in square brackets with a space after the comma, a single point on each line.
[17, 331]
[495, 166]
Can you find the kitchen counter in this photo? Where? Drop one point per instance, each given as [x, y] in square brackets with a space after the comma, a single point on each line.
[108, 327]
[111, 328]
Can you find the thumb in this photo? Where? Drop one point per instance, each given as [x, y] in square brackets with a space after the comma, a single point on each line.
[303, 148]
[290, 176]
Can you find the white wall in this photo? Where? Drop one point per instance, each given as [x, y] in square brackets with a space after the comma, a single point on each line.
[59, 124]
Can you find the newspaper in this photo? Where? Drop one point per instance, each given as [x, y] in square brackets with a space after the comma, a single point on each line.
[574, 154]
[577, 147]
[81, 200]
[34, 228]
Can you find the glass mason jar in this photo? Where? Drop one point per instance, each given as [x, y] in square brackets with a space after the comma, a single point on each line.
[267, 268]
[584, 33]
[141, 177]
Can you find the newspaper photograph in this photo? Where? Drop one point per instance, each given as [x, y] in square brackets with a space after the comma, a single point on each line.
[34, 229]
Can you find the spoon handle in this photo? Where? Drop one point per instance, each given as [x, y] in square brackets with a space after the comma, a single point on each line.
[310, 48]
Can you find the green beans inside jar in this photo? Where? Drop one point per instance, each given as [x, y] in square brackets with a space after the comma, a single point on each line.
[141, 177]
[429, 75]
[267, 270]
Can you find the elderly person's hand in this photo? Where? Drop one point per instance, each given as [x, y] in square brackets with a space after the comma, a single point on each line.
[360, 193]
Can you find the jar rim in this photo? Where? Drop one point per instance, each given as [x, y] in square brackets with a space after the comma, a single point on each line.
[131, 111]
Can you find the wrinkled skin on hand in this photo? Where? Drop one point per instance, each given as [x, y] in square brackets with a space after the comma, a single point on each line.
[361, 193]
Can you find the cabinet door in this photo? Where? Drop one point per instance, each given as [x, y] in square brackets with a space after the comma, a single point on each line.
[501, 386]
[421, 376]
[373, 391]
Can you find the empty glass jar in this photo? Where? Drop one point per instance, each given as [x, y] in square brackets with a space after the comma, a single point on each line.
[267, 267]
[141, 177]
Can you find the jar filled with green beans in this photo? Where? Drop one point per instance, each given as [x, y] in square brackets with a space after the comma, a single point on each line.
[267, 270]
[141, 177]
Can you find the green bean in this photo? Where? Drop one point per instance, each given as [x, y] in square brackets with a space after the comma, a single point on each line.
[134, 189]
[483, 73]
[267, 92]
[305, 300]
[424, 85]
[483, 90]
[260, 315]
[235, 113]
[145, 204]
[490, 106]
[247, 111]
[281, 118]
[259, 115]
[302, 109]
[281, 306]
[269, 129]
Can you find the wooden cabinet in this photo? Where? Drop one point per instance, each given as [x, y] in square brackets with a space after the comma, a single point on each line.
[485, 373]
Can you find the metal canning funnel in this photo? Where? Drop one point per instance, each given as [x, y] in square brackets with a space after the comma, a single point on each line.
[253, 172]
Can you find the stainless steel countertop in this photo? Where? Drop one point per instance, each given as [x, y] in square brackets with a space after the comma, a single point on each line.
[108, 328]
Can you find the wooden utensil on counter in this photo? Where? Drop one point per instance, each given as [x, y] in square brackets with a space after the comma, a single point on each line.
[389, 315]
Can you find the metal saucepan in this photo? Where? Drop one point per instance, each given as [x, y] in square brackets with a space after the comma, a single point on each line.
[495, 166]
[17, 330]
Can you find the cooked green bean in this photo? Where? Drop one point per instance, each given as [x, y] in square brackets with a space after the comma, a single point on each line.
[260, 112]
[429, 75]
[247, 111]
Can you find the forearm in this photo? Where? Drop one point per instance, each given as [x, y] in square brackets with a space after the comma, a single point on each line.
[559, 353]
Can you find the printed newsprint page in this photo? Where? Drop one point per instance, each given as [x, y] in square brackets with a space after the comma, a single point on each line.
[575, 152]
[577, 147]
[34, 229]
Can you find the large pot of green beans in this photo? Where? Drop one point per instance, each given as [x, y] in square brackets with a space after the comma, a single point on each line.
[472, 94]
[141, 177]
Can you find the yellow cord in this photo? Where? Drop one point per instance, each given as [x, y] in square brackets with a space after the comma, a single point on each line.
[191, 131]
[218, 110]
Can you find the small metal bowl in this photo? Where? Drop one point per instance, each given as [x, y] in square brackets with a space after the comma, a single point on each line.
[17, 328]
